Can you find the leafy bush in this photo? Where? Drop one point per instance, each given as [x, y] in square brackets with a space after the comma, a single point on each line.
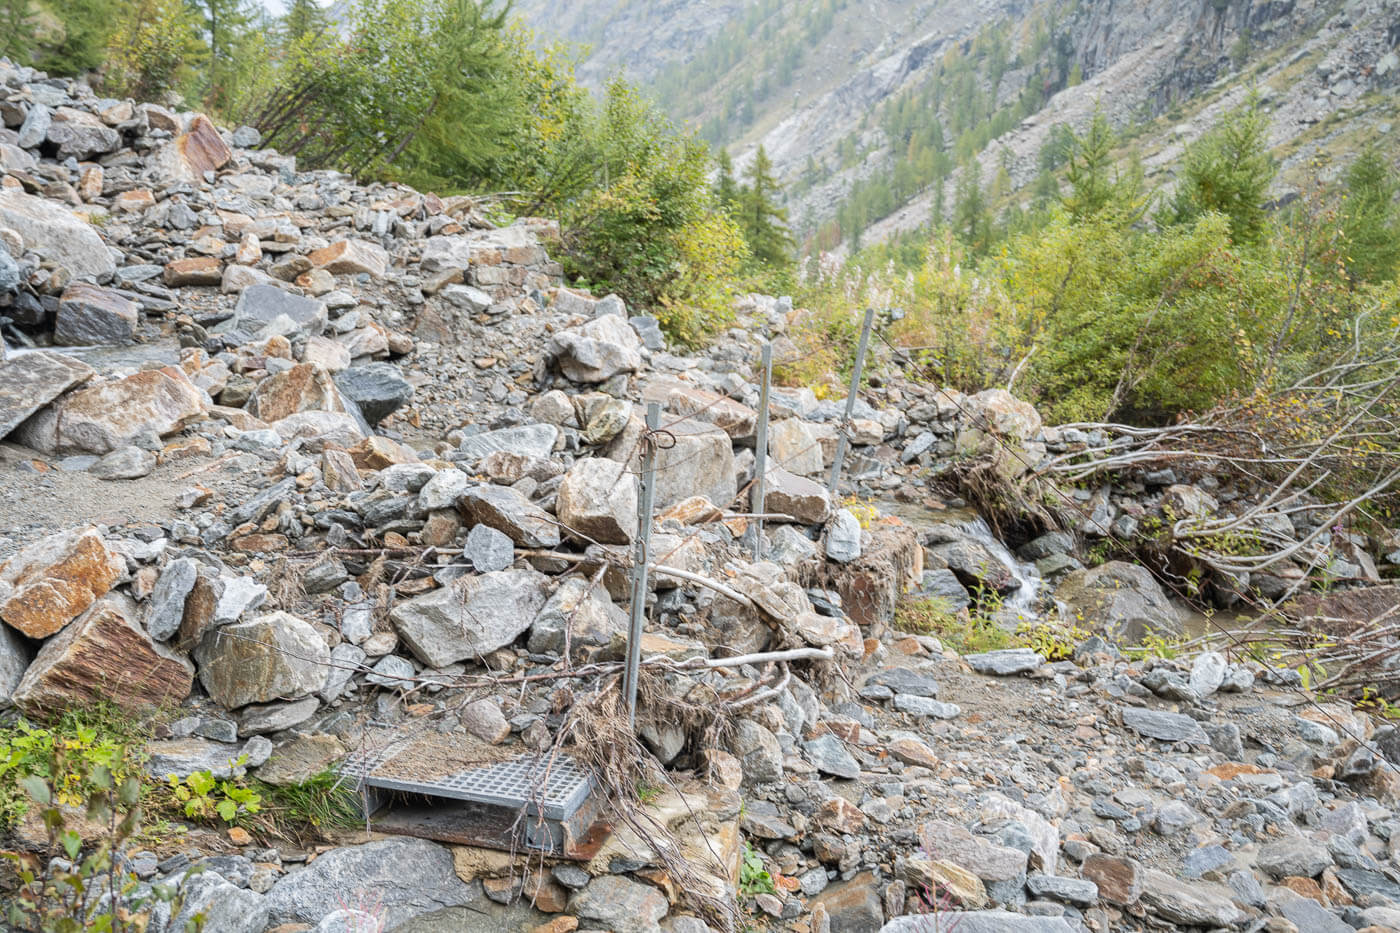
[154, 43]
[204, 797]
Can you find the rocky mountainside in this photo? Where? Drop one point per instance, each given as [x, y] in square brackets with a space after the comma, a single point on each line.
[333, 473]
[821, 85]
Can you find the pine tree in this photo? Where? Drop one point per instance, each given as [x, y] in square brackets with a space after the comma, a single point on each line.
[972, 221]
[726, 188]
[1371, 218]
[223, 23]
[1096, 184]
[16, 30]
[764, 223]
[303, 18]
[1229, 171]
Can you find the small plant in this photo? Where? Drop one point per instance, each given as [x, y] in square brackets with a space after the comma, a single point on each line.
[964, 632]
[1154, 646]
[935, 911]
[326, 801]
[865, 513]
[753, 877]
[1055, 641]
[205, 797]
[86, 887]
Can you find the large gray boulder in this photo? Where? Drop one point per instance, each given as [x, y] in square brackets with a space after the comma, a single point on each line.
[1121, 600]
[582, 608]
[378, 388]
[222, 906]
[403, 877]
[30, 381]
[470, 617]
[267, 311]
[597, 350]
[509, 512]
[274, 657]
[598, 501]
[56, 233]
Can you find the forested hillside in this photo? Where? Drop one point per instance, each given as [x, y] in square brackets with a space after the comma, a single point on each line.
[872, 111]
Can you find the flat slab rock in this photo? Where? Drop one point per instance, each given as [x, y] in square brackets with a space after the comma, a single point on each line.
[1164, 726]
[980, 921]
[29, 381]
[1006, 662]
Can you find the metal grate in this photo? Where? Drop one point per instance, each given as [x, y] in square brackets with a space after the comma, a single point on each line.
[554, 788]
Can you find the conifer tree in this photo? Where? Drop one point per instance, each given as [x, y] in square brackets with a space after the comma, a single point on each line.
[303, 18]
[1095, 183]
[1371, 218]
[1229, 171]
[764, 222]
[972, 221]
[726, 188]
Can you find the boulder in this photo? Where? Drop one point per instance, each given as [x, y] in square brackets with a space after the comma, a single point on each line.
[53, 581]
[104, 654]
[267, 311]
[15, 657]
[167, 607]
[33, 380]
[81, 135]
[700, 462]
[56, 233]
[1120, 600]
[93, 316]
[352, 257]
[535, 440]
[193, 270]
[274, 657]
[793, 446]
[598, 501]
[100, 418]
[597, 350]
[220, 906]
[581, 608]
[379, 389]
[797, 497]
[737, 420]
[301, 388]
[189, 155]
[620, 904]
[470, 617]
[405, 877]
[843, 537]
[509, 512]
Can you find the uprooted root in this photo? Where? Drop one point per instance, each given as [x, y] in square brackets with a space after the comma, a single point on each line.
[1017, 509]
[597, 734]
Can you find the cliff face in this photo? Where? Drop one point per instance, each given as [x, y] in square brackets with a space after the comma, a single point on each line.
[815, 81]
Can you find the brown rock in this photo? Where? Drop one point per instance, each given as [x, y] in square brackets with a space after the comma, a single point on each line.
[104, 655]
[1119, 879]
[304, 387]
[377, 453]
[564, 924]
[352, 257]
[441, 528]
[196, 270]
[133, 202]
[259, 543]
[1306, 887]
[546, 896]
[200, 606]
[338, 471]
[52, 582]
[201, 148]
[840, 815]
[942, 877]
[90, 183]
[101, 418]
[913, 752]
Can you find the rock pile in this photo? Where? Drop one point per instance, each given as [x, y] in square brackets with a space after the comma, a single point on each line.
[302, 458]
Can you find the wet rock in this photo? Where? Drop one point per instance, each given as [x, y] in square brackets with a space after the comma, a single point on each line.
[104, 654]
[598, 501]
[93, 316]
[409, 878]
[51, 582]
[943, 586]
[1121, 600]
[56, 233]
[274, 657]
[470, 617]
[1164, 726]
[100, 418]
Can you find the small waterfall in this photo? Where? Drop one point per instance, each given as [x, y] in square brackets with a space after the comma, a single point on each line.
[1021, 603]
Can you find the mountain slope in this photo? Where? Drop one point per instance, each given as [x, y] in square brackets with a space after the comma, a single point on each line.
[869, 108]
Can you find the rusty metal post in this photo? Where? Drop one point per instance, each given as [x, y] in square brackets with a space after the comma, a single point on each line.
[646, 496]
[760, 459]
[843, 437]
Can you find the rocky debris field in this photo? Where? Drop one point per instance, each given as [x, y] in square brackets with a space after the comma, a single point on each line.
[319, 467]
